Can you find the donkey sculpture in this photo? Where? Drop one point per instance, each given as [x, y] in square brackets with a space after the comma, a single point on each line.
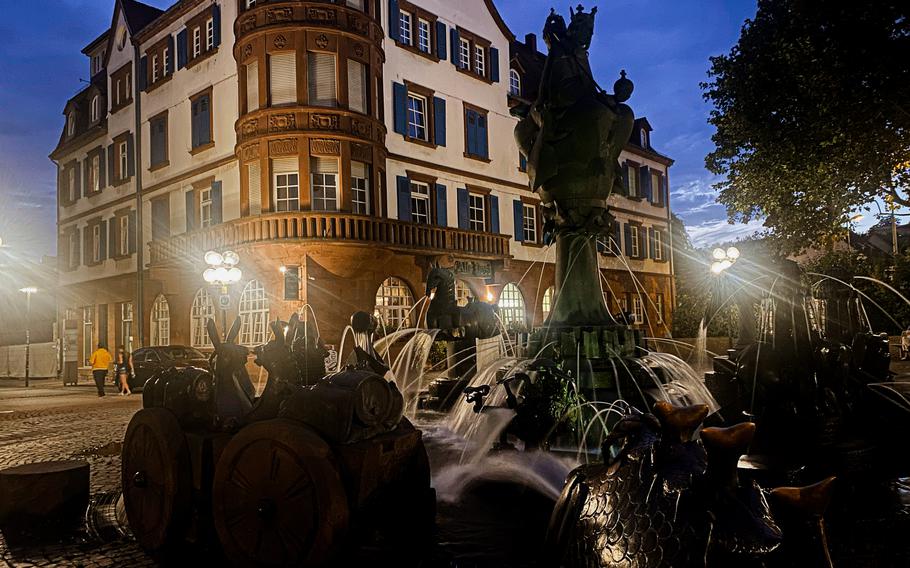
[477, 320]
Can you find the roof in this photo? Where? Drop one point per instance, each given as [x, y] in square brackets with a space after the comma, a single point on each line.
[499, 21]
[139, 15]
[96, 42]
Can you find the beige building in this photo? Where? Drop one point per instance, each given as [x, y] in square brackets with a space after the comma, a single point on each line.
[339, 148]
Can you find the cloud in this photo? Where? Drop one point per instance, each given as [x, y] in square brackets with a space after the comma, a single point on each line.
[715, 232]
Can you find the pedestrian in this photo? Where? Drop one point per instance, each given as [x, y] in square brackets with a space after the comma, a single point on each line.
[100, 361]
[123, 365]
[905, 344]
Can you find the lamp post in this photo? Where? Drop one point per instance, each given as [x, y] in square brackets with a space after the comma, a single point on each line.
[222, 271]
[28, 291]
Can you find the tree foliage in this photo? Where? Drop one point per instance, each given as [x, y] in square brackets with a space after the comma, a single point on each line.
[811, 115]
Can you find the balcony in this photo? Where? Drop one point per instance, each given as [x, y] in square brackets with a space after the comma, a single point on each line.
[327, 227]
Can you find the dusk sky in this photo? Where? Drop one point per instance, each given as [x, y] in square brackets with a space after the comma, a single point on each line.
[664, 45]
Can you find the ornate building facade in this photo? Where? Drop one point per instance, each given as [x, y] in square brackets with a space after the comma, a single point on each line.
[340, 148]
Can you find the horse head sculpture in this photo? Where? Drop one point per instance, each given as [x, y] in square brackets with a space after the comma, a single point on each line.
[234, 392]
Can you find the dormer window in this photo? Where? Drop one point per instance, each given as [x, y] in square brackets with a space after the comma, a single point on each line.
[155, 73]
[71, 124]
[95, 109]
[197, 41]
[514, 83]
[96, 63]
[209, 34]
[644, 139]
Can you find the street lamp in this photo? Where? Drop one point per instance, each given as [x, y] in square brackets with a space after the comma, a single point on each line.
[724, 259]
[28, 291]
[222, 271]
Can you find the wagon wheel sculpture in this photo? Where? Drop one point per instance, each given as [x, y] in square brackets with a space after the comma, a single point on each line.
[156, 479]
[277, 497]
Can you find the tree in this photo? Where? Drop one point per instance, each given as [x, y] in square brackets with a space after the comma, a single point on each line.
[811, 117]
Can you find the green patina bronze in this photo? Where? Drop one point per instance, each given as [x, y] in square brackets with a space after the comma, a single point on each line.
[572, 137]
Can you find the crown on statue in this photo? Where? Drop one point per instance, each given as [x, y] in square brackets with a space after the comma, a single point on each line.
[581, 29]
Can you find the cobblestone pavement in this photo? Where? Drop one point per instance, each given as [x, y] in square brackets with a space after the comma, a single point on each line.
[48, 422]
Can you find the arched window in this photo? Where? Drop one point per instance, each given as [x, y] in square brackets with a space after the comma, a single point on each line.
[254, 314]
[202, 310]
[393, 303]
[511, 306]
[547, 302]
[462, 293]
[161, 321]
[514, 83]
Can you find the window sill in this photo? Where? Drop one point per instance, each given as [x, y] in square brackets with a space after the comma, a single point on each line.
[162, 165]
[158, 83]
[115, 110]
[470, 73]
[660, 205]
[120, 182]
[416, 51]
[93, 193]
[203, 148]
[532, 244]
[421, 142]
[121, 256]
[478, 158]
[201, 57]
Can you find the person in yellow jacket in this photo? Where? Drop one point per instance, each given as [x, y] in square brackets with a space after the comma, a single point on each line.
[100, 362]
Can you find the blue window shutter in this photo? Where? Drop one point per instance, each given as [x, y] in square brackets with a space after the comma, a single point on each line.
[664, 246]
[439, 121]
[522, 162]
[394, 29]
[494, 214]
[194, 123]
[130, 155]
[651, 243]
[470, 118]
[181, 49]
[110, 164]
[102, 170]
[494, 64]
[190, 210]
[216, 23]
[616, 247]
[206, 112]
[644, 175]
[664, 192]
[625, 176]
[456, 39]
[112, 240]
[518, 213]
[463, 210]
[628, 239]
[143, 72]
[442, 213]
[131, 227]
[102, 236]
[482, 142]
[78, 178]
[404, 199]
[217, 212]
[441, 40]
[170, 60]
[400, 107]
[86, 168]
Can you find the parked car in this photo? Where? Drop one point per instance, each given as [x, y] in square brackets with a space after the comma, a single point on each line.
[149, 360]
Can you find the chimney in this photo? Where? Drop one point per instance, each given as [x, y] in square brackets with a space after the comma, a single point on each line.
[531, 41]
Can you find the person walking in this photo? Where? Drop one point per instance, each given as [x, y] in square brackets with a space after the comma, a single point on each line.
[100, 361]
[905, 344]
[123, 366]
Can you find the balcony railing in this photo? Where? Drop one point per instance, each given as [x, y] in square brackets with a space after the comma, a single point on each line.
[317, 226]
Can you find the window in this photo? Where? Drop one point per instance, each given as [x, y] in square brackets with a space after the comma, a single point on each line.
[154, 68]
[96, 108]
[645, 142]
[404, 28]
[423, 35]
[282, 79]
[197, 41]
[514, 83]
[96, 242]
[511, 307]
[96, 63]
[250, 4]
[209, 34]
[357, 86]
[394, 302]
[291, 282]
[476, 143]
[201, 116]
[88, 321]
[117, 92]
[634, 245]
[658, 245]
[657, 187]
[322, 81]
[546, 304]
[254, 177]
[633, 181]
[254, 315]
[638, 311]
[123, 242]
[476, 212]
[529, 223]
[287, 192]
[203, 309]
[252, 86]
[356, 4]
[71, 124]
[95, 173]
[71, 184]
[464, 53]
[360, 188]
[74, 249]
[417, 117]
[161, 322]
[480, 60]
[659, 307]
[124, 160]
[158, 146]
[205, 207]
[126, 325]
[324, 172]
[420, 202]
[463, 293]
[166, 59]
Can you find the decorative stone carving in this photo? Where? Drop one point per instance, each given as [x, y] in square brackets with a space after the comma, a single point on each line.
[324, 121]
[282, 122]
[322, 41]
[276, 15]
[325, 147]
[280, 41]
[361, 153]
[361, 128]
[249, 128]
[324, 15]
[359, 49]
[247, 24]
[284, 147]
[247, 50]
[249, 153]
[358, 25]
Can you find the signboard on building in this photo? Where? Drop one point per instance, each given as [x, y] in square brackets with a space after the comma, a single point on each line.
[474, 268]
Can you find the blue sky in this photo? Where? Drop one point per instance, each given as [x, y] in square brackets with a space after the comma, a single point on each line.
[664, 46]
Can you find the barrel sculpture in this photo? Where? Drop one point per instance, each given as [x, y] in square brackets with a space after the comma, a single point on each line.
[281, 479]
